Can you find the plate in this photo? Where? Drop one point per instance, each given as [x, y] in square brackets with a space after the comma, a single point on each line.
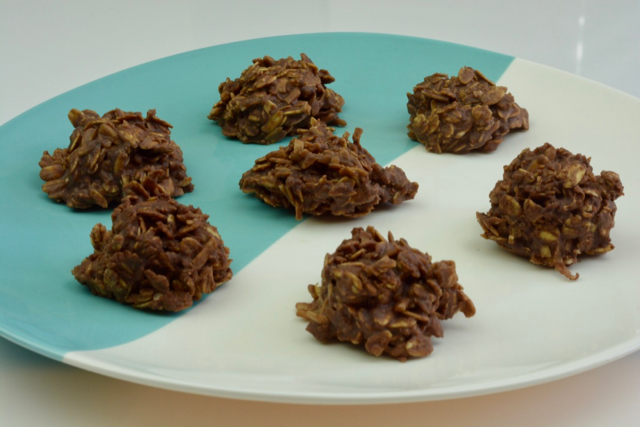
[244, 340]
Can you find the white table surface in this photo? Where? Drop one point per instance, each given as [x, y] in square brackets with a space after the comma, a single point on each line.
[47, 48]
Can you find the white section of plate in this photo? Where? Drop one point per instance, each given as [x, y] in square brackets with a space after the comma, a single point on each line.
[532, 324]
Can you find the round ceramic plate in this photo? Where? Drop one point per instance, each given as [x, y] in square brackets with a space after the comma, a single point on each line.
[244, 340]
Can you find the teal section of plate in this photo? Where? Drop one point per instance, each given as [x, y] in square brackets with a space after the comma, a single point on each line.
[43, 308]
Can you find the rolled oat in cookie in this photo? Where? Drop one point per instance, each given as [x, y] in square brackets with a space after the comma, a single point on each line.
[383, 295]
[272, 99]
[551, 208]
[158, 255]
[463, 113]
[106, 153]
[320, 173]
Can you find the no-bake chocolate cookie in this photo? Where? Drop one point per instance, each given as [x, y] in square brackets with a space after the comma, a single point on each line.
[384, 295]
[272, 99]
[108, 152]
[320, 173]
[551, 208]
[158, 255]
[464, 113]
